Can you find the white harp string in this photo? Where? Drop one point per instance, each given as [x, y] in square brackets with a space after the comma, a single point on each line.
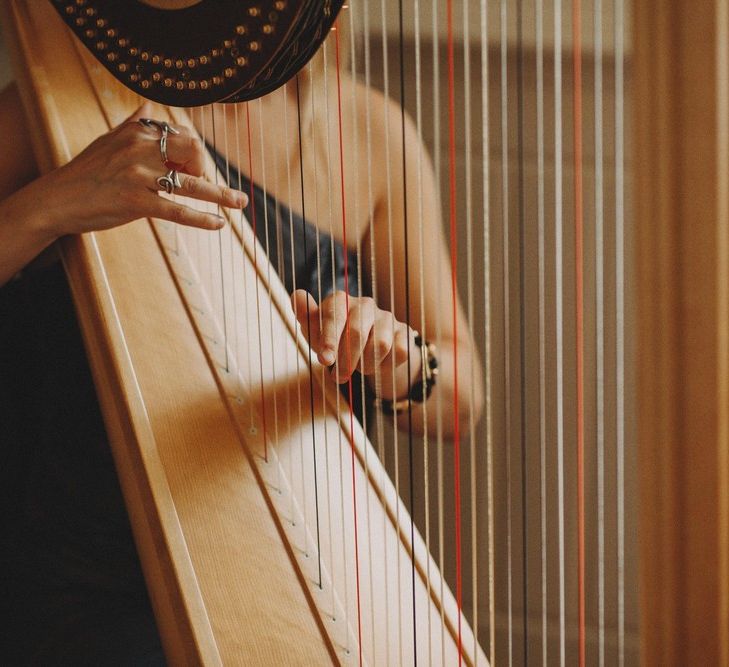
[599, 330]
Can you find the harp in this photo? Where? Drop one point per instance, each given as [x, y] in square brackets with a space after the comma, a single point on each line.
[202, 372]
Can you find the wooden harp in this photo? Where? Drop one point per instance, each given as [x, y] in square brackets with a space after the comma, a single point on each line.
[201, 371]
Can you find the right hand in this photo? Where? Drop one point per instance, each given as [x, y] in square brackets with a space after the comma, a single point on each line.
[114, 181]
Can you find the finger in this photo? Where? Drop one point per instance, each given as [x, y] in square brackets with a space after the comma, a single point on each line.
[360, 321]
[378, 344]
[333, 320]
[186, 151]
[165, 209]
[307, 314]
[199, 188]
[403, 344]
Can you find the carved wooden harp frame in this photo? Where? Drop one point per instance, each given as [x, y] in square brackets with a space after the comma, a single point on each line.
[681, 196]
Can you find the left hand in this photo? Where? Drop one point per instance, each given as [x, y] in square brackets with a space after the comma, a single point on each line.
[377, 341]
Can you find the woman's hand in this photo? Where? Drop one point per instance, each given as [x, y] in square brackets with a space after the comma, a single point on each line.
[114, 181]
[376, 342]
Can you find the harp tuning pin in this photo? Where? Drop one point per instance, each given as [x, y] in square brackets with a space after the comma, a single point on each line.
[229, 72]
[280, 5]
[217, 80]
[111, 57]
[156, 60]
[254, 11]
[134, 51]
[134, 77]
[168, 62]
[267, 29]
[254, 46]
[100, 23]
[204, 84]
[123, 67]
[203, 60]
[180, 85]
[90, 11]
[80, 20]
[111, 33]
[192, 85]
[179, 64]
[123, 42]
[156, 77]
[241, 61]
[168, 82]
[144, 56]
[90, 33]
[101, 46]
[80, 3]
[191, 62]
[227, 44]
[70, 9]
[240, 29]
[146, 84]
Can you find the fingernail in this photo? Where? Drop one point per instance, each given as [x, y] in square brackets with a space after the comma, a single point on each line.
[243, 200]
[219, 221]
[327, 356]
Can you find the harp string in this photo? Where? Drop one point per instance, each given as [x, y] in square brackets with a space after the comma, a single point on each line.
[421, 292]
[599, 327]
[220, 257]
[391, 295]
[308, 331]
[486, 157]
[469, 221]
[264, 187]
[254, 223]
[317, 214]
[522, 321]
[559, 322]
[439, 404]
[406, 235]
[290, 250]
[539, 9]
[380, 424]
[454, 296]
[354, 113]
[507, 308]
[330, 190]
[579, 316]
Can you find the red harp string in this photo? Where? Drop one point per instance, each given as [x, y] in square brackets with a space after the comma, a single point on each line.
[347, 334]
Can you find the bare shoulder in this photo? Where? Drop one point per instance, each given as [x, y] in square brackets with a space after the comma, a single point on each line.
[17, 163]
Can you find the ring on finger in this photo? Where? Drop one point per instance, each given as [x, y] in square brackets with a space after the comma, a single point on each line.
[169, 181]
[166, 129]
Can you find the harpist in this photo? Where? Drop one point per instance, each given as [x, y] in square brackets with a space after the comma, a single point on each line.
[74, 591]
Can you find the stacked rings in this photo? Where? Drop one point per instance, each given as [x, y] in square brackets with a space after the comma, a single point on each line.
[171, 179]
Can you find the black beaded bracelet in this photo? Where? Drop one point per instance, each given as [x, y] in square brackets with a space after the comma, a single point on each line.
[421, 390]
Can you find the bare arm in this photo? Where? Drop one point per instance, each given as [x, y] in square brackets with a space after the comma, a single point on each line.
[22, 236]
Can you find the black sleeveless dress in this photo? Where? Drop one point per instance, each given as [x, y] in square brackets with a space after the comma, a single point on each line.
[72, 588]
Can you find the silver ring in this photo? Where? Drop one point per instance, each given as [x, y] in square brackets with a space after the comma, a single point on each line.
[169, 181]
[166, 129]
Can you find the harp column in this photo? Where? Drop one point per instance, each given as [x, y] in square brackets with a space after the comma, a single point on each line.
[681, 91]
